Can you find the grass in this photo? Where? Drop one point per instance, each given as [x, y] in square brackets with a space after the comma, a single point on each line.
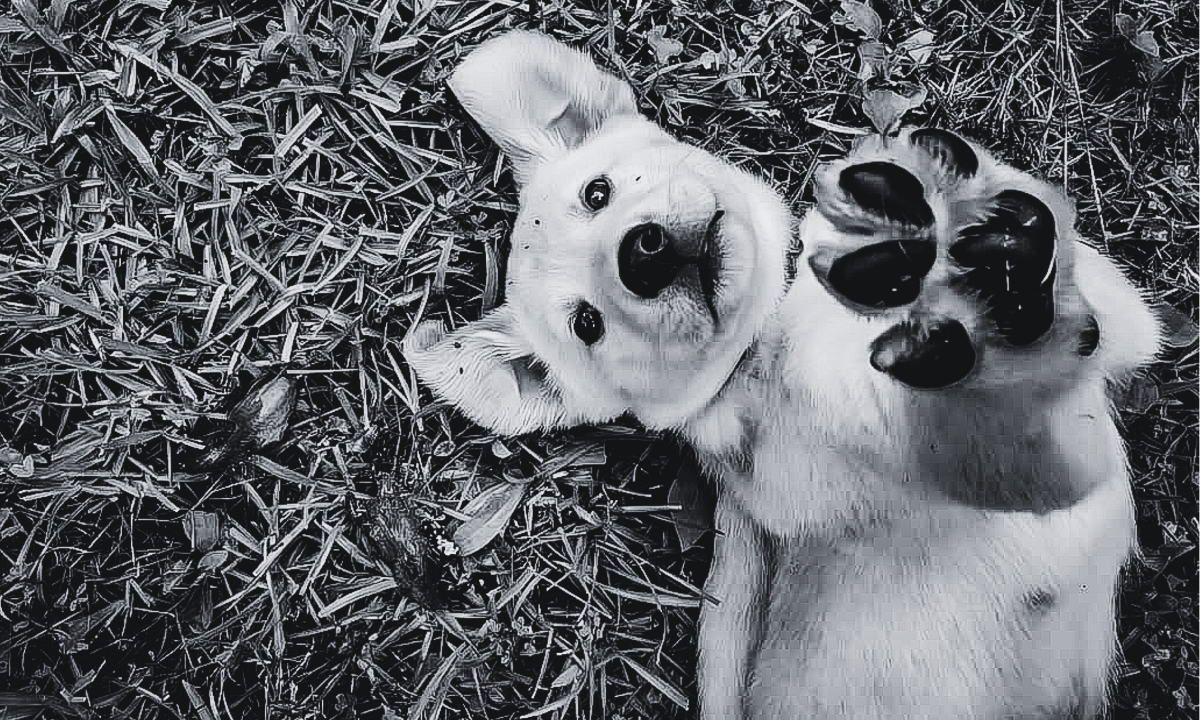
[222, 492]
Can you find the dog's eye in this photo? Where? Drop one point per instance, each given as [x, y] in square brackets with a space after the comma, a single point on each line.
[595, 194]
[588, 324]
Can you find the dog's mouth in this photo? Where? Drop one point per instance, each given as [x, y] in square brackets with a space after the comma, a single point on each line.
[710, 262]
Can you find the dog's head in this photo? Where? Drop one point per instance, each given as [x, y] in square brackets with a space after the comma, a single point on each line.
[640, 267]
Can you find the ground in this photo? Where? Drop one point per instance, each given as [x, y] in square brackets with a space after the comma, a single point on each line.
[224, 494]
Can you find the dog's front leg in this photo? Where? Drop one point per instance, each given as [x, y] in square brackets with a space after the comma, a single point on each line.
[731, 622]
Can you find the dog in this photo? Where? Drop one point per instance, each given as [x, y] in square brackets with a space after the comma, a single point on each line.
[923, 498]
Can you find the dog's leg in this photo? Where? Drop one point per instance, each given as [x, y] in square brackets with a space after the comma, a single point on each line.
[729, 630]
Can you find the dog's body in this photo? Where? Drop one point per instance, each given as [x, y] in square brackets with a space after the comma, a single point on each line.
[923, 506]
[861, 588]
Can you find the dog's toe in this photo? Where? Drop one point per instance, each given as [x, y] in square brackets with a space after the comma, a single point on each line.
[886, 274]
[949, 150]
[925, 356]
[1010, 261]
[888, 191]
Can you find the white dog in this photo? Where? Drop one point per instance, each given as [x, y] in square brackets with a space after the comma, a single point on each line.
[923, 506]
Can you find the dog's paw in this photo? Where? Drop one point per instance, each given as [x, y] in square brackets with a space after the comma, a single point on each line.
[1009, 259]
[958, 250]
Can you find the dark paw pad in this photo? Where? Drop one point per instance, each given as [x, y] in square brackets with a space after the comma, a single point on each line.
[1022, 317]
[1089, 337]
[924, 356]
[951, 151]
[888, 191]
[1011, 258]
[1019, 232]
[886, 274]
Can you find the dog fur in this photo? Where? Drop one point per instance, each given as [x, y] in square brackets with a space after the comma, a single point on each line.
[884, 551]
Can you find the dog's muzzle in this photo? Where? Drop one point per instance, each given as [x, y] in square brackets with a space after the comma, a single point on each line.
[651, 257]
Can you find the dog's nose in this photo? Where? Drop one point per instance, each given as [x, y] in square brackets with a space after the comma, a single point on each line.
[648, 260]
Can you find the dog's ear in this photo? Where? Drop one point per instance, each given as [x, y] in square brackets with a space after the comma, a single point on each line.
[537, 97]
[487, 370]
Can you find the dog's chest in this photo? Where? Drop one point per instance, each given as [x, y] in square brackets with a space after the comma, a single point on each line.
[789, 468]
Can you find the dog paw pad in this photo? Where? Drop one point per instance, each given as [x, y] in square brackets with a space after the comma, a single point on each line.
[1022, 317]
[1010, 258]
[888, 191]
[951, 152]
[1019, 231]
[925, 356]
[886, 274]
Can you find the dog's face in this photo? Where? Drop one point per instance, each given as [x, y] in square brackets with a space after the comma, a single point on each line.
[640, 267]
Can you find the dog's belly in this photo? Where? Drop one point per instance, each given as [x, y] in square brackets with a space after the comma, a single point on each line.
[969, 614]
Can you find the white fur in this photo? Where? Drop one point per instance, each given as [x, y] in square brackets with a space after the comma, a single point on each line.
[884, 552]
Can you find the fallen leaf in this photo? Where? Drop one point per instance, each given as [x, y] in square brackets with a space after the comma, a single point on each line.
[566, 677]
[394, 535]
[1149, 61]
[22, 469]
[213, 560]
[1126, 25]
[664, 48]
[203, 529]
[861, 17]
[489, 513]
[264, 414]
[886, 108]
[919, 46]
[1145, 42]
[500, 450]
[696, 505]
[874, 60]
[260, 419]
